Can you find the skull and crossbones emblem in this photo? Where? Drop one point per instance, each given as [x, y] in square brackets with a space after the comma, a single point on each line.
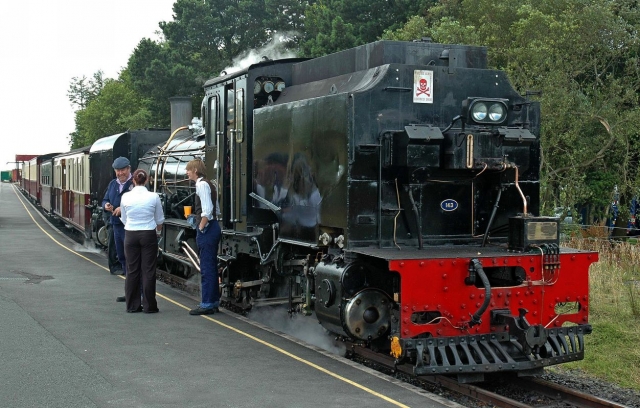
[423, 88]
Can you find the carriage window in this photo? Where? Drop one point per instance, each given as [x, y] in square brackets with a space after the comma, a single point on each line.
[239, 111]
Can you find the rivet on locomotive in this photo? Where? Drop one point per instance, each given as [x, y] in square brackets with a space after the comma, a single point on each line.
[391, 191]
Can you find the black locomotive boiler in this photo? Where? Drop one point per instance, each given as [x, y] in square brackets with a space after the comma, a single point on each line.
[391, 190]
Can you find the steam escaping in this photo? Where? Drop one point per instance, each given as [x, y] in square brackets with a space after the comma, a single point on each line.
[305, 328]
[88, 247]
[276, 49]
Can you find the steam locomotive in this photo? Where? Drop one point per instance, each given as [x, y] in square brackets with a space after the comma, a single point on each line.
[389, 190]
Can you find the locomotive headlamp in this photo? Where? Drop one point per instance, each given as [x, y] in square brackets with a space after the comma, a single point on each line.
[486, 111]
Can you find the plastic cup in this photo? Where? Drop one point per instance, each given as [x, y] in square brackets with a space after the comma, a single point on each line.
[187, 211]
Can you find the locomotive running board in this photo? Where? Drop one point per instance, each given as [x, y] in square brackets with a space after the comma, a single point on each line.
[495, 352]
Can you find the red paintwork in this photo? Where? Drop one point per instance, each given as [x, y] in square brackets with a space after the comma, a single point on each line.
[439, 285]
[34, 190]
[24, 157]
[71, 206]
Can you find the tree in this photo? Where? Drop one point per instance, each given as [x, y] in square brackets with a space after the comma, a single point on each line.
[209, 35]
[83, 90]
[334, 25]
[155, 75]
[114, 110]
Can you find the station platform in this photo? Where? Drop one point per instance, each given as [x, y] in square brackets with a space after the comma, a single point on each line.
[65, 342]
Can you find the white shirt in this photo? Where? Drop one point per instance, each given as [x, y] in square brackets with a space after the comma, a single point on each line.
[141, 210]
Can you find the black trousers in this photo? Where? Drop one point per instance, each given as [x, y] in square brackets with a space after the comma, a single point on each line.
[141, 252]
[114, 264]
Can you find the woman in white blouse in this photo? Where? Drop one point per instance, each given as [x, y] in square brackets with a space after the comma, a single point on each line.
[142, 216]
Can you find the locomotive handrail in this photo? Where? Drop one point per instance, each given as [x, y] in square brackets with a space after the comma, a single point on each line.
[524, 199]
[180, 153]
[162, 151]
[191, 254]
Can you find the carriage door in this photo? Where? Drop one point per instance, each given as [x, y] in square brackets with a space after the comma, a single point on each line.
[211, 116]
[64, 191]
[232, 157]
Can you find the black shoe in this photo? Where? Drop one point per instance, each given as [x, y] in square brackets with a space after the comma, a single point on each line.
[151, 311]
[202, 311]
[121, 299]
[138, 310]
[117, 272]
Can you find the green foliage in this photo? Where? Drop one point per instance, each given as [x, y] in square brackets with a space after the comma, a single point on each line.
[207, 36]
[83, 90]
[335, 25]
[155, 74]
[114, 110]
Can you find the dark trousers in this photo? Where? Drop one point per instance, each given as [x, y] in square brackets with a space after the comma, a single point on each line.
[141, 250]
[114, 264]
[118, 237]
[208, 253]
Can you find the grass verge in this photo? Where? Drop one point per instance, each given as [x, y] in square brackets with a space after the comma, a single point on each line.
[612, 351]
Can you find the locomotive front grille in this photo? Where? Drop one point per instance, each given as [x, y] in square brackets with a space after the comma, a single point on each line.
[495, 352]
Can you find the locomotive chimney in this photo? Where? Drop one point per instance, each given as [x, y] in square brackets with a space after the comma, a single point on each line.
[181, 111]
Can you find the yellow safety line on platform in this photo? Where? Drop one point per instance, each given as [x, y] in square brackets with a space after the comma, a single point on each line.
[226, 326]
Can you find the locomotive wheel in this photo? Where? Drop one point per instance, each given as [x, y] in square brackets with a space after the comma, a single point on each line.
[103, 236]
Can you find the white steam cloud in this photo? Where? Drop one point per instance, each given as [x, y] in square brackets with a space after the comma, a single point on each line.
[305, 328]
[276, 49]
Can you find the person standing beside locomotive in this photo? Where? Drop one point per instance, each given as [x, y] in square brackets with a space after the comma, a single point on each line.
[207, 237]
[111, 203]
[142, 216]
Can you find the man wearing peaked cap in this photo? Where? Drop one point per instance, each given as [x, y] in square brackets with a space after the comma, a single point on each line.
[121, 163]
[111, 203]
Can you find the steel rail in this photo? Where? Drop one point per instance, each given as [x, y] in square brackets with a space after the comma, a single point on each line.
[559, 392]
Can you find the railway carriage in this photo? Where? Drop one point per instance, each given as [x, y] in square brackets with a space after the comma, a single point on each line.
[45, 171]
[71, 189]
[35, 183]
[29, 182]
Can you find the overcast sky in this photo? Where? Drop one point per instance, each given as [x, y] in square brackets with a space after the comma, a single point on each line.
[45, 43]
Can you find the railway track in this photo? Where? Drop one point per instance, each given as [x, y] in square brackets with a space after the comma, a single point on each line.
[551, 394]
